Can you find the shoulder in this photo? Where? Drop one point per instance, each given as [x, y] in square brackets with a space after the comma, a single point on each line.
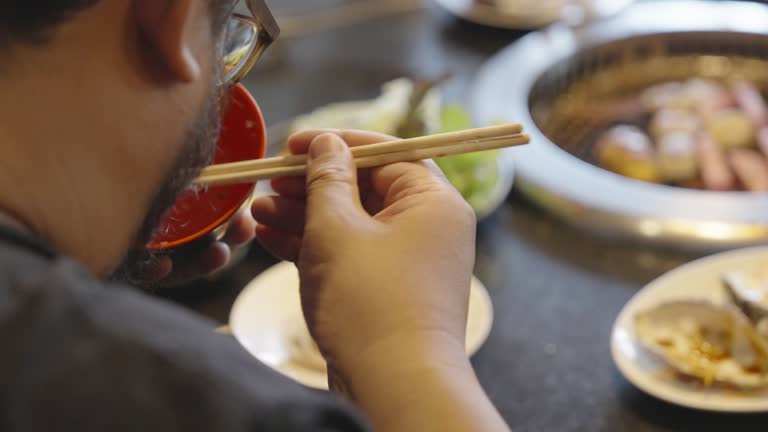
[81, 343]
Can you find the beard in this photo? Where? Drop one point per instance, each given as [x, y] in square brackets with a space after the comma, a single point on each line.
[199, 147]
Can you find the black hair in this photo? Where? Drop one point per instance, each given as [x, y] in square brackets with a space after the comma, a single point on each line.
[31, 21]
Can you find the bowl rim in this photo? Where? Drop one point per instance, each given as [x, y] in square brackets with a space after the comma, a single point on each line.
[240, 91]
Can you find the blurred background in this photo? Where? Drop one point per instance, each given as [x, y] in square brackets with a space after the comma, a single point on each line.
[601, 203]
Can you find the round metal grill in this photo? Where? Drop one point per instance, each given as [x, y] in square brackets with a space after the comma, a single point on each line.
[567, 85]
[573, 102]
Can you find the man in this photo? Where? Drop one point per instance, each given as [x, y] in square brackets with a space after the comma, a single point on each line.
[108, 109]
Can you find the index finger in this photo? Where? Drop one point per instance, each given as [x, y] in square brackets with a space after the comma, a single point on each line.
[299, 142]
[391, 181]
[387, 181]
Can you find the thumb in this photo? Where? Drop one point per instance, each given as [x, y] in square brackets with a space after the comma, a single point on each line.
[332, 194]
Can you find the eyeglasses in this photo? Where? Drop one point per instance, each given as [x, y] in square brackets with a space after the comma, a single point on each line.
[246, 38]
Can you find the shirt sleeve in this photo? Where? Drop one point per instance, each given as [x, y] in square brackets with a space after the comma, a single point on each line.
[77, 354]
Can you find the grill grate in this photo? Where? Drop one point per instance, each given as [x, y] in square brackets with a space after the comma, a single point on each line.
[583, 95]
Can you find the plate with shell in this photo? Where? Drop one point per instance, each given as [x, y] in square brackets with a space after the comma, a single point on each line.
[698, 335]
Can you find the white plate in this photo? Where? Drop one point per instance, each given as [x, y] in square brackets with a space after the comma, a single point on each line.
[267, 320]
[510, 14]
[528, 14]
[697, 280]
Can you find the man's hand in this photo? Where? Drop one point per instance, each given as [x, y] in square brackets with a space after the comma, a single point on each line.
[165, 270]
[385, 258]
[398, 267]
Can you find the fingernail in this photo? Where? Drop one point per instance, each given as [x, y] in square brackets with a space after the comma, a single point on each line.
[325, 144]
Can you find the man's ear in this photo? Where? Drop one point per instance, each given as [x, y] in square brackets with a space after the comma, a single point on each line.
[168, 26]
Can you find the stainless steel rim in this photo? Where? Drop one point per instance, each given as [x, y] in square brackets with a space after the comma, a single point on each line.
[597, 199]
[488, 15]
[528, 14]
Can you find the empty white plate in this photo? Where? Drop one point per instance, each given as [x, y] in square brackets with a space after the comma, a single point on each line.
[697, 280]
[267, 320]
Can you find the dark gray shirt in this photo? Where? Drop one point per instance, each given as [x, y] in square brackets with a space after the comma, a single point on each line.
[78, 354]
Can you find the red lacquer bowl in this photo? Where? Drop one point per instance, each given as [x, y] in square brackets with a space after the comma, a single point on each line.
[205, 211]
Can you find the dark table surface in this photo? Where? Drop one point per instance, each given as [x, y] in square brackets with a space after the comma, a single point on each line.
[556, 291]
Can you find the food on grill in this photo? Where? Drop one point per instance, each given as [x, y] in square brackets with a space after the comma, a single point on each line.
[731, 129]
[696, 134]
[667, 95]
[750, 169]
[752, 103]
[669, 120]
[716, 175]
[676, 157]
[628, 151]
[762, 140]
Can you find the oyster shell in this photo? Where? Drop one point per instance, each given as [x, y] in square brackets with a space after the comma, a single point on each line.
[750, 293]
[713, 343]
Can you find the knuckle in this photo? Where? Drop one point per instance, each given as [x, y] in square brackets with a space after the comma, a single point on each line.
[414, 186]
[460, 208]
[468, 213]
[331, 172]
[436, 172]
[326, 135]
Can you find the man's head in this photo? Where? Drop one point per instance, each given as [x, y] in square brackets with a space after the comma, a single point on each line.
[113, 100]
[31, 22]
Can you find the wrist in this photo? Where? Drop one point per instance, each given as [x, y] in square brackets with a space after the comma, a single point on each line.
[418, 385]
[401, 357]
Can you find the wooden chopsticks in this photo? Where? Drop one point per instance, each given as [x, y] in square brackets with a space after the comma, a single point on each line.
[372, 155]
